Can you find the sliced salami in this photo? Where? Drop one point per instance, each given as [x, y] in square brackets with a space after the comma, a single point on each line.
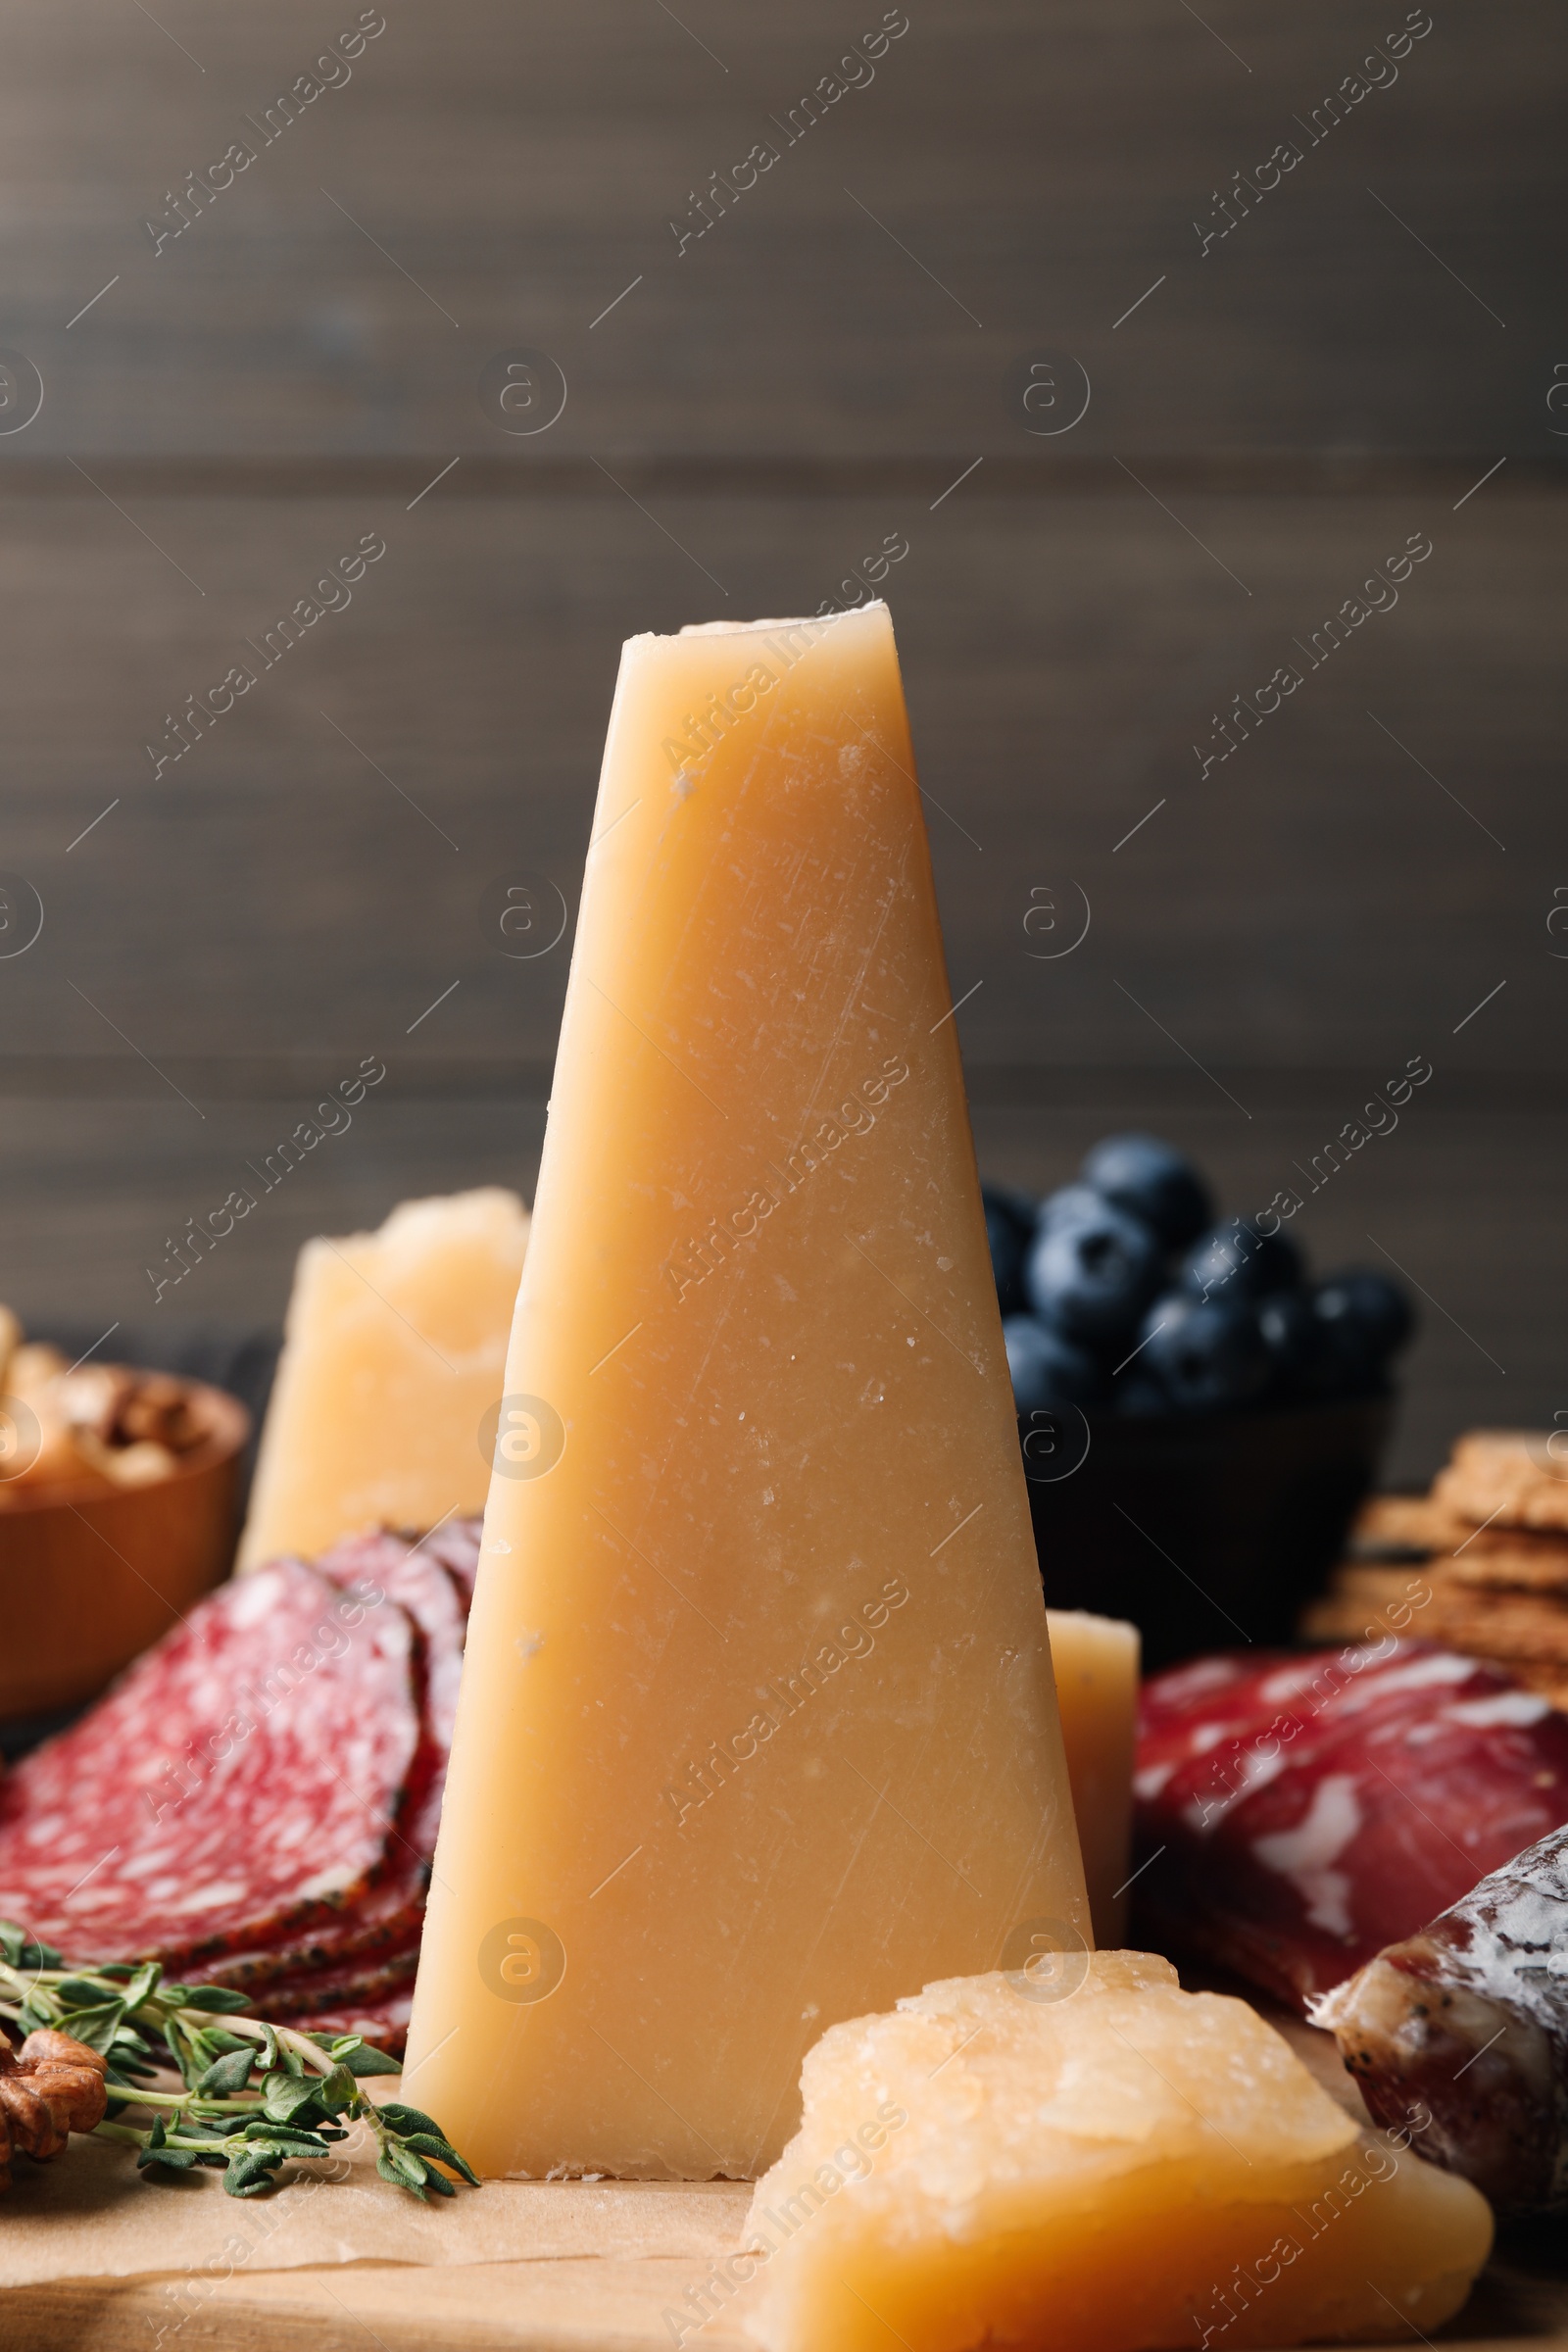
[385, 2022]
[383, 1919]
[241, 1778]
[456, 1545]
[1299, 1813]
[359, 1981]
[380, 1920]
[423, 1586]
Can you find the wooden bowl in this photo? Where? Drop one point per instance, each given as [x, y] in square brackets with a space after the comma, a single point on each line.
[88, 1579]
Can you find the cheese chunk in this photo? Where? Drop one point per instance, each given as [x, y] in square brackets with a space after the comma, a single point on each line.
[393, 1352]
[758, 1724]
[1095, 1662]
[1124, 2167]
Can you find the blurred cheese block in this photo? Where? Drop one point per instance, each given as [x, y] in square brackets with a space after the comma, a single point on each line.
[758, 1728]
[1095, 1662]
[1120, 2167]
[393, 1351]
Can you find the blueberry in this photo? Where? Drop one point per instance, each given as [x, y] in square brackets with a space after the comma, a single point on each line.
[1289, 1333]
[1361, 1320]
[1047, 1369]
[1091, 1276]
[1236, 1261]
[1205, 1354]
[1070, 1200]
[1151, 1180]
[1009, 1228]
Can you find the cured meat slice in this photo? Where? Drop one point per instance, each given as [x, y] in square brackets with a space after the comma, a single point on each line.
[384, 2021]
[387, 1917]
[243, 1777]
[456, 1545]
[1460, 2035]
[359, 1981]
[1296, 1813]
[381, 1920]
[421, 1584]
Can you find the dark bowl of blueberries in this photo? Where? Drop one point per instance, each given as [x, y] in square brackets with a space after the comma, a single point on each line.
[1199, 1417]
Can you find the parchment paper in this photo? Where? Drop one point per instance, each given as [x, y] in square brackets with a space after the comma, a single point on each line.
[89, 2214]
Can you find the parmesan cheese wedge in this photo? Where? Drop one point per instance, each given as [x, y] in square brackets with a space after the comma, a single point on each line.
[392, 1355]
[757, 1726]
[1095, 1661]
[1097, 2163]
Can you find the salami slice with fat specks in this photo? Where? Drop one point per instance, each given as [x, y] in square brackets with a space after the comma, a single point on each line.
[423, 1586]
[388, 1914]
[243, 1776]
[456, 1545]
[1460, 2034]
[358, 1981]
[1299, 1813]
[383, 2021]
[381, 1920]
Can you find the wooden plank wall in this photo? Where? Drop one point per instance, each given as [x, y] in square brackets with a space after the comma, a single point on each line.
[765, 386]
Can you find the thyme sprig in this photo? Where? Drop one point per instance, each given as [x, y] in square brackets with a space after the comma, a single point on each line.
[254, 2096]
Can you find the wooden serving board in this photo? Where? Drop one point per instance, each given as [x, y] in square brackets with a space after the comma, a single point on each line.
[94, 2260]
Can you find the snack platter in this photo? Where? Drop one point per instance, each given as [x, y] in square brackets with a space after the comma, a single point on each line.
[644, 1843]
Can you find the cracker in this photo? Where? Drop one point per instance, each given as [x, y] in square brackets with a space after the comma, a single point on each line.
[1498, 1625]
[1511, 1560]
[1404, 1525]
[1508, 1476]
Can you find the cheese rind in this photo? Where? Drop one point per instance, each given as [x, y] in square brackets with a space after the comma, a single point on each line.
[758, 1725]
[1125, 2168]
[1096, 1663]
[393, 1350]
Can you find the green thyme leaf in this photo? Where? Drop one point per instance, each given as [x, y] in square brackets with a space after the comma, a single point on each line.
[228, 2075]
[408, 2119]
[146, 1980]
[360, 2057]
[191, 2126]
[250, 2172]
[79, 1992]
[285, 2096]
[336, 2091]
[285, 2137]
[22, 1951]
[96, 2027]
[403, 2171]
[430, 2143]
[217, 1997]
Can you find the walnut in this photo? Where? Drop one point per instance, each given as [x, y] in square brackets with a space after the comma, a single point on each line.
[94, 1396]
[159, 1409]
[50, 2088]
